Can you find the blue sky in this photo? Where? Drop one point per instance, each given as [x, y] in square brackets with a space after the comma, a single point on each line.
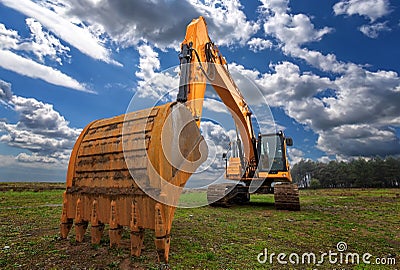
[328, 70]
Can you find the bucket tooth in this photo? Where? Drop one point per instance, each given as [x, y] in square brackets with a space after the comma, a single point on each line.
[80, 224]
[115, 231]
[66, 228]
[80, 229]
[97, 233]
[137, 238]
[66, 223]
[97, 227]
[162, 238]
[137, 232]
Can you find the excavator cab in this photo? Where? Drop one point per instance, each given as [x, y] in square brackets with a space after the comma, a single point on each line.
[271, 173]
[272, 159]
[273, 162]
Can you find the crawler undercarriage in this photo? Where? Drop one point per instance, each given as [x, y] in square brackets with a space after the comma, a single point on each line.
[286, 195]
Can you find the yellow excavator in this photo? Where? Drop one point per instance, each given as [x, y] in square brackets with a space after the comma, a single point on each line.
[129, 170]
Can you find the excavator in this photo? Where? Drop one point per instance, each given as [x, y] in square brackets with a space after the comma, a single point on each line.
[130, 170]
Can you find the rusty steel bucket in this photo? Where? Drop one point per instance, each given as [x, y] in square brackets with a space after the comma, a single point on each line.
[129, 171]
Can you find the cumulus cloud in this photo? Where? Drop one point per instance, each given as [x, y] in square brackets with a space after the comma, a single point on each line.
[8, 38]
[212, 170]
[218, 140]
[40, 129]
[371, 9]
[339, 110]
[148, 62]
[159, 22]
[153, 83]
[35, 158]
[286, 82]
[259, 44]
[77, 36]
[373, 30]
[295, 155]
[361, 99]
[43, 44]
[324, 159]
[225, 18]
[293, 31]
[215, 105]
[5, 92]
[355, 140]
[289, 29]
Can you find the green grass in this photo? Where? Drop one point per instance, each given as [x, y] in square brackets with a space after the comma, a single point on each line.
[211, 238]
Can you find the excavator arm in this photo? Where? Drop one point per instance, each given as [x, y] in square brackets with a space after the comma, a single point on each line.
[264, 159]
[200, 62]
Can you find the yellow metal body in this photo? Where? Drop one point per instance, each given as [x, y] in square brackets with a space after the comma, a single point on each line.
[120, 175]
[222, 82]
[123, 172]
[227, 90]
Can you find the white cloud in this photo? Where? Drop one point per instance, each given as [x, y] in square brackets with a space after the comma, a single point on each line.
[159, 22]
[324, 159]
[27, 67]
[43, 44]
[5, 92]
[35, 158]
[295, 155]
[78, 37]
[373, 30]
[148, 62]
[153, 84]
[214, 105]
[40, 130]
[24, 168]
[286, 82]
[328, 63]
[354, 140]
[218, 139]
[354, 118]
[291, 30]
[8, 38]
[225, 19]
[372, 9]
[259, 44]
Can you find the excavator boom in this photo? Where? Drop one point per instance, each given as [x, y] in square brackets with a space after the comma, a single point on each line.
[201, 61]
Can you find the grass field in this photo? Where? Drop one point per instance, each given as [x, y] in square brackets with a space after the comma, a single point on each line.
[368, 221]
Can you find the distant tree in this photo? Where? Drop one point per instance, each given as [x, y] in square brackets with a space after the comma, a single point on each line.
[375, 172]
[314, 184]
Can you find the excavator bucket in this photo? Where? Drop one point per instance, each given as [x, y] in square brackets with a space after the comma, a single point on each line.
[129, 171]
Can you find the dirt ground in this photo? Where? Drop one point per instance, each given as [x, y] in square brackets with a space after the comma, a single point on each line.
[205, 237]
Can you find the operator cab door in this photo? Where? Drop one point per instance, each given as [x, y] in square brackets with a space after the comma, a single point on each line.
[272, 153]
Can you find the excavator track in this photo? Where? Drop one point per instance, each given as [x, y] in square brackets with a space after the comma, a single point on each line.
[226, 195]
[286, 197]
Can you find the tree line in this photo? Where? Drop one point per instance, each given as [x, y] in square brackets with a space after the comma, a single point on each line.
[362, 173]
